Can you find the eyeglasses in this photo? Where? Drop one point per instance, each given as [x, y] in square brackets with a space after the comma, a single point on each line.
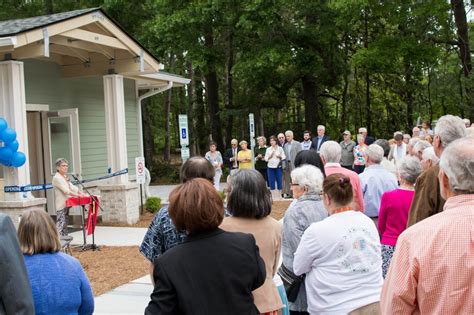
[293, 184]
[64, 165]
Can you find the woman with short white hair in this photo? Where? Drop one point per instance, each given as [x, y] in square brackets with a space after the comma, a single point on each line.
[419, 147]
[306, 185]
[429, 158]
[395, 206]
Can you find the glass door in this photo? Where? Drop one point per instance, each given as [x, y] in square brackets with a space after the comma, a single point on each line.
[62, 140]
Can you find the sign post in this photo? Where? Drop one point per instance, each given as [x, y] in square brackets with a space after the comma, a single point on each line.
[183, 136]
[252, 138]
[140, 176]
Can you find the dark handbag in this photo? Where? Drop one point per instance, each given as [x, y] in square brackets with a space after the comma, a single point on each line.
[291, 282]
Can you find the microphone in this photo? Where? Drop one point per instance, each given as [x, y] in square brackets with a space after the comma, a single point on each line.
[75, 176]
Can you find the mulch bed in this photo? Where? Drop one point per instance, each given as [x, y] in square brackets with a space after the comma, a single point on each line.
[114, 266]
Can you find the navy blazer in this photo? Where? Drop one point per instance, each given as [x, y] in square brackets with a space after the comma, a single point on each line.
[15, 289]
[227, 155]
[314, 143]
[210, 273]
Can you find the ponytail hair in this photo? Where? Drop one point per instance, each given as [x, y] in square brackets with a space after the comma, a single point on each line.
[339, 188]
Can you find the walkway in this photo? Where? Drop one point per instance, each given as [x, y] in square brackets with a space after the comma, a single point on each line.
[131, 298]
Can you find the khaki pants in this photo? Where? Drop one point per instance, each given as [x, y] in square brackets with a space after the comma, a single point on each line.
[287, 178]
[371, 309]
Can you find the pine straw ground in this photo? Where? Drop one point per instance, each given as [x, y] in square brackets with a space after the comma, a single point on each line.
[113, 266]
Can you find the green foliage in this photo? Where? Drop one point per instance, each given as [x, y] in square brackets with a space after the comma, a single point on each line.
[380, 64]
[153, 204]
[222, 195]
[160, 170]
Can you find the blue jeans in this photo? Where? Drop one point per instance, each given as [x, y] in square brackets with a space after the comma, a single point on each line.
[275, 174]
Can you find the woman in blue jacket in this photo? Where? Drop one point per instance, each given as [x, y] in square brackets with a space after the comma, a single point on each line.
[58, 281]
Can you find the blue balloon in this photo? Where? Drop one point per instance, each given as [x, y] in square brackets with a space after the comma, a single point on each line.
[6, 153]
[13, 145]
[3, 124]
[8, 135]
[18, 159]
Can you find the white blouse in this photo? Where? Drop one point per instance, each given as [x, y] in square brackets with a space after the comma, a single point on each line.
[274, 156]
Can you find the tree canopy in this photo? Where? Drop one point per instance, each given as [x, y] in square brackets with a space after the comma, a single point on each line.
[294, 64]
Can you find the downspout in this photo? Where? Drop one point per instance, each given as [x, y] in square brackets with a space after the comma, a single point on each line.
[139, 105]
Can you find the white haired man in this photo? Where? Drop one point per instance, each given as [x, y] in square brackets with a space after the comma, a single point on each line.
[375, 180]
[368, 139]
[427, 200]
[320, 139]
[415, 132]
[291, 149]
[432, 269]
[467, 122]
[330, 154]
[281, 139]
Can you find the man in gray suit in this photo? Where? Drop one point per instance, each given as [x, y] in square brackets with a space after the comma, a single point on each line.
[291, 148]
[15, 289]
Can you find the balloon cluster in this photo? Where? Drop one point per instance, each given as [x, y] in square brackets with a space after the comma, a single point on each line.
[9, 154]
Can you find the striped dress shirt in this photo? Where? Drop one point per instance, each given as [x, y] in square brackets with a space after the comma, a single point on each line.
[432, 270]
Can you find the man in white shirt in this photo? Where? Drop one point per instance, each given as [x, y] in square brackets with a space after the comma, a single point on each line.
[399, 149]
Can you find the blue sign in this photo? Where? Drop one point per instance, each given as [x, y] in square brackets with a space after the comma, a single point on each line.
[183, 133]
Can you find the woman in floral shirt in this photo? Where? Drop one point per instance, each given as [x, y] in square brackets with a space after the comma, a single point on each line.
[359, 154]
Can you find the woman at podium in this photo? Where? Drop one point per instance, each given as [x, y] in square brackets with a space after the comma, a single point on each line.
[63, 189]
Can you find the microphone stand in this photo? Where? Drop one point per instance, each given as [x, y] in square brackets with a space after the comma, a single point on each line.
[92, 246]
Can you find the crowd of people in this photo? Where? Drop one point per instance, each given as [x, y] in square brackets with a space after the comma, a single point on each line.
[375, 227]
[346, 244]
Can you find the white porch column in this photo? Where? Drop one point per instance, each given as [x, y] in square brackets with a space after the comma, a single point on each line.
[115, 125]
[13, 109]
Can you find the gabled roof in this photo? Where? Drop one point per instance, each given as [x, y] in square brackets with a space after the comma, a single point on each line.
[84, 42]
[12, 27]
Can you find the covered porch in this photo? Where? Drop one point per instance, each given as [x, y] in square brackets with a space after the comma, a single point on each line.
[71, 85]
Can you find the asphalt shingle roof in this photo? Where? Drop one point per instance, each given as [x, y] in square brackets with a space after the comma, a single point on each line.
[12, 27]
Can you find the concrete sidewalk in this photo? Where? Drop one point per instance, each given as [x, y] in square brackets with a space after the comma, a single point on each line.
[112, 236]
[131, 298]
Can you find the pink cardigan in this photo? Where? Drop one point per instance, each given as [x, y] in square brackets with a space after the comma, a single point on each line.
[393, 214]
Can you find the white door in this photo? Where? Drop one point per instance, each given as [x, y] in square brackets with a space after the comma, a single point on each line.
[62, 140]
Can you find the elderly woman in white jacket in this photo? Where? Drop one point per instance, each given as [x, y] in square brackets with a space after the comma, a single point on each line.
[63, 189]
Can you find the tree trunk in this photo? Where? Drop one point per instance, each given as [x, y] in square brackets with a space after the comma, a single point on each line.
[229, 88]
[311, 110]
[343, 125]
[409, 96]
[148, 143]
[166, 152]
[367, 78]
[464, 51]
[49, 7]
[212, 89]
[191, 101]
[168, 99]
[202, 131]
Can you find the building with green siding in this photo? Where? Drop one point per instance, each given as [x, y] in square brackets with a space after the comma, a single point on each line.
[70, 85]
